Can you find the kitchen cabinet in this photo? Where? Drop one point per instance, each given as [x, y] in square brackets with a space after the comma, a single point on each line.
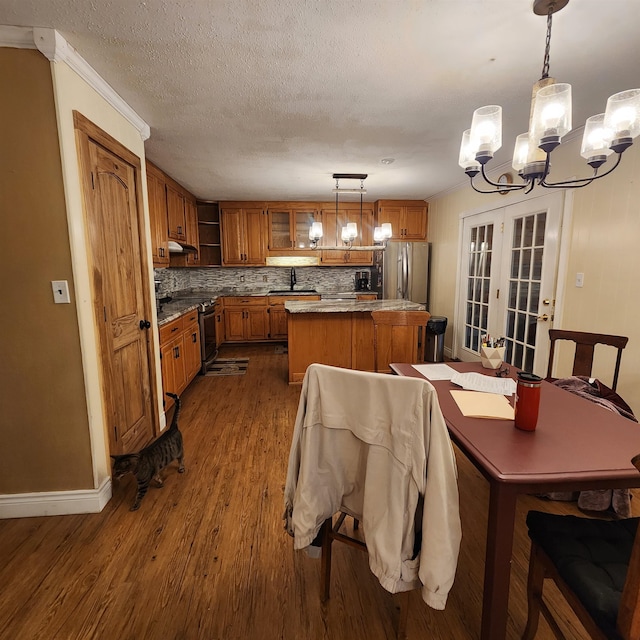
[408, 218]
[175, 213]
[191, 228]
[246, 318]
[278, 315]
[243, 236]
[158, 216]
[179, 354]
[172, 215]
[288, 226]
[366, 296]
[332, 224]
[218, 310]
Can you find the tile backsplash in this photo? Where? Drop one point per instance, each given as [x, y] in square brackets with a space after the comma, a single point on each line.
[247, 280]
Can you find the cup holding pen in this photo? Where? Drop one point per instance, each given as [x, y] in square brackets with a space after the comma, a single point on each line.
[491, 357]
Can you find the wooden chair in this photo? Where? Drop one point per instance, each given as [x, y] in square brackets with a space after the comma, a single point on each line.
[585, 346]
[331, 531]
[595, 565]
[396, 337]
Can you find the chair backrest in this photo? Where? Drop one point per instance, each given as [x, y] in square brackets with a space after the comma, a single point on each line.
[629, 610]
[585, 346]
[396, 337]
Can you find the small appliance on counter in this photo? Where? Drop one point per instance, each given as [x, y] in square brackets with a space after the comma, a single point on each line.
[362, 281]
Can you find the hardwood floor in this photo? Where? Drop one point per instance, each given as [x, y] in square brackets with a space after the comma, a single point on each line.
[206, 557]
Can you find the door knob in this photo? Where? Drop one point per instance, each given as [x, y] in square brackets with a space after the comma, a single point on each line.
[145, 324]
[544, 317]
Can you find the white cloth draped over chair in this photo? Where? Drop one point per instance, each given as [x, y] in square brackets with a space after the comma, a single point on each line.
[376, 447]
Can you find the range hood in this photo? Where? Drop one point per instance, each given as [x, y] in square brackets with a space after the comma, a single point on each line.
[181, 247]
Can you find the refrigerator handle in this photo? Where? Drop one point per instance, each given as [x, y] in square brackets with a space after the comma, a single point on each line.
[405, 271]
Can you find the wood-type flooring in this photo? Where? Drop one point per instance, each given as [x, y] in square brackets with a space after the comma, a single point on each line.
[206, 557]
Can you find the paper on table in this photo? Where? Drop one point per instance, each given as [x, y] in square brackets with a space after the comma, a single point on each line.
[476, 404]
[435, 371]
[488, 384]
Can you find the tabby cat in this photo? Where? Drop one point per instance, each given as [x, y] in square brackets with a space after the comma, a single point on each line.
[147, 463]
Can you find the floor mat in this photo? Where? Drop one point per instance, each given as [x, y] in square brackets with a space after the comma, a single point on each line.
[228, 367]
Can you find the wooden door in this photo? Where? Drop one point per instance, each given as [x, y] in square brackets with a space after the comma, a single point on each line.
[158, 219]
[415, 223]
[256, 323]
[121, 289]
[175, 214]
[254, 236]
[232, 236]
[393, 215]
[234, 324]
[277, 322]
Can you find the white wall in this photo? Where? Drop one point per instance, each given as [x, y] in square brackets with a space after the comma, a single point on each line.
[602, 244]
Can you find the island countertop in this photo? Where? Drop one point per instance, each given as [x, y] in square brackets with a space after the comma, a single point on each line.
[350, 306]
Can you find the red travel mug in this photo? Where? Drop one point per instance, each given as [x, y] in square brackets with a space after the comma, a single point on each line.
[527, 401]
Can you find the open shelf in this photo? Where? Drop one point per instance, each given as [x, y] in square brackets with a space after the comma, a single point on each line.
[209, 233]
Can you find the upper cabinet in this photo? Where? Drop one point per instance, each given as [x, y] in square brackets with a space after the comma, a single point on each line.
[408, 218]
[243, 234]
[158, 216]
[332, 224]
[288, 226]
[173, 216]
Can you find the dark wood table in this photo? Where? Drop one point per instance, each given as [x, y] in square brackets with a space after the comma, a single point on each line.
[577, 445]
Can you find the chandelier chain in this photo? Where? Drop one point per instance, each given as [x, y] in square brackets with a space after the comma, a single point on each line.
[547, 45]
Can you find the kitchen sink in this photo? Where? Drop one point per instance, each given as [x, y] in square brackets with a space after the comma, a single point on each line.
[291, 293]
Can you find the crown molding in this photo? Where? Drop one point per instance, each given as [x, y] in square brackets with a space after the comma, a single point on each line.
[56, 49]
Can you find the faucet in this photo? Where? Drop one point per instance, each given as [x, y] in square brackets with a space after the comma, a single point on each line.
[293, 278]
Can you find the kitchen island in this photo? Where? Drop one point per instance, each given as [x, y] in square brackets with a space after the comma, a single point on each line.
[338, 333]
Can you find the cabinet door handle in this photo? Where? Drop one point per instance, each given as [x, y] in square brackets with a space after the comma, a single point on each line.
[194, 338]
[179, 229]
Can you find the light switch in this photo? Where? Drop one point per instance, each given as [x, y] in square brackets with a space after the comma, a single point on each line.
[579, 279]
[60, 291]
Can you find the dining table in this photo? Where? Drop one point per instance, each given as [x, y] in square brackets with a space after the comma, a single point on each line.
[577, 445]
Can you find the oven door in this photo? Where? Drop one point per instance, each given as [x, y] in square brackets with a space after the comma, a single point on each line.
[208, 337]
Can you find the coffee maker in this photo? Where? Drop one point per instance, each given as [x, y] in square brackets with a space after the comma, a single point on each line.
[362, 280]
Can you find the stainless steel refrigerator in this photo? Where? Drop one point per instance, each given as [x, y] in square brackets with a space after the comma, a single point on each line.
[403, 270]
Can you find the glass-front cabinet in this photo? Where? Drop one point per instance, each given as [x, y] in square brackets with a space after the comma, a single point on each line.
[289, 228]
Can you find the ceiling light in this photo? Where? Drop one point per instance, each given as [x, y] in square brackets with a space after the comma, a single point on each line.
[604, 134]
[388, 160]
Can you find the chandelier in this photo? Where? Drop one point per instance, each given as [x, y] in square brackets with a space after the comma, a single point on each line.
[350, 232]
[550, 119]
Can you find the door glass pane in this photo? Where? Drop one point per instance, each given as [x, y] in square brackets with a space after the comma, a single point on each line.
[280, 234]
[302, 224]
[524, 289]
[478, 280]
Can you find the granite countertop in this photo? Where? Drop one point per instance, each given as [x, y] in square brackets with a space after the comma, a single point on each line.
[184, 301]
[344, 306]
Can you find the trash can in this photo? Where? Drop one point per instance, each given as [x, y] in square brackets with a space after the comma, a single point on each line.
[434, 344]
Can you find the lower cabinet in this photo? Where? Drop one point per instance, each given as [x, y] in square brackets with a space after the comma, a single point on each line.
[246, 318]
[278, 315]
[179, 354]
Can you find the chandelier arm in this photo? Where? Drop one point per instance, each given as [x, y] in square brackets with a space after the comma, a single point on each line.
[513, 187]
[587, 181]
[503, 187]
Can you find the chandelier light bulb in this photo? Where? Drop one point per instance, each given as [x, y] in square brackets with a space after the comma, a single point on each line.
[520, 152]
[622, 114]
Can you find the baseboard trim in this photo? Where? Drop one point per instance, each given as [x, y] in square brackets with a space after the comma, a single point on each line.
[55, 503]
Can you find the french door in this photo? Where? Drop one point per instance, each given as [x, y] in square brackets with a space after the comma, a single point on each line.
[509, 263]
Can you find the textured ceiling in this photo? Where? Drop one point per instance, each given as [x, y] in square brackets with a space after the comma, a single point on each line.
[265, 99]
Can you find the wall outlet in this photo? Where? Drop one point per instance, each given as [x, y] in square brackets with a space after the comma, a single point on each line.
[241, 278]
[579, 279]
[264, 279]
[60, 291]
